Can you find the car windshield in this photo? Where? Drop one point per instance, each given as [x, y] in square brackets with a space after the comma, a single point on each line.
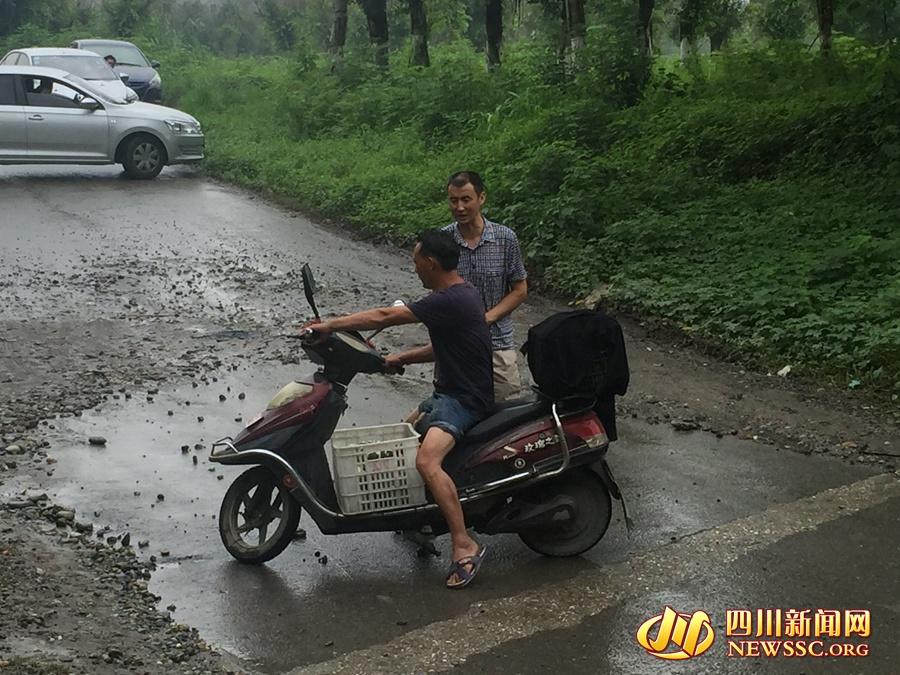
[88, 67]
[126, 55]
[106, 96]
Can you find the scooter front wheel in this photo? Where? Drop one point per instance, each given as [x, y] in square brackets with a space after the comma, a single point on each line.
[258, 516]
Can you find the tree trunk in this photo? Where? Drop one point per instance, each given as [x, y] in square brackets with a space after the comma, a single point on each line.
[493, 18]
[562, 46]
[576, 25]
[338, 28]
[571, 37]
[376, 19]
[825, 14]
[419, 29]
[687, 27]
[716, 40]
[645, 27]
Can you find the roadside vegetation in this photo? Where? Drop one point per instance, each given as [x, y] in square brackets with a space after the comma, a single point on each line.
[748, 196]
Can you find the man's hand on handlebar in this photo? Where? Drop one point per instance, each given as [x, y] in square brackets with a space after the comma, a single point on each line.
[315, 331]
[393, 365]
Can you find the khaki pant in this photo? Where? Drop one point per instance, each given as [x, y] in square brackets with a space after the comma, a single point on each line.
[507, 381]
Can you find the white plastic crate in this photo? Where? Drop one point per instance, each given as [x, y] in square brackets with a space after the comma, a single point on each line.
[375, 468]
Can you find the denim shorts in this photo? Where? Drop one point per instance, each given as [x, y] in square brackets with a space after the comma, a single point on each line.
[445, 412]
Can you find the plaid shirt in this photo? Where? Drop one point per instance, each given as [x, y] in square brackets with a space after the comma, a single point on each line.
[491, 267]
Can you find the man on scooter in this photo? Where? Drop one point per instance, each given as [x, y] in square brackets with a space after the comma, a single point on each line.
[463, 387]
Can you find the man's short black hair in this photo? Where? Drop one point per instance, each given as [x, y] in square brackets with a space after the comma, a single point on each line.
[440, 245]
[461, 178]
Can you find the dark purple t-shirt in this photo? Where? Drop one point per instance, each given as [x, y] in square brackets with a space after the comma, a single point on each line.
[461, 341]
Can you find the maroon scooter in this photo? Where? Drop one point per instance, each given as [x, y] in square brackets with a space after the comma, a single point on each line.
[534, 467]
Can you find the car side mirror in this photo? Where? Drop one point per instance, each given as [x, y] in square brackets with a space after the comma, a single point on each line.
[89, 103]
[309, 288]
[124, 77]
[154, 64]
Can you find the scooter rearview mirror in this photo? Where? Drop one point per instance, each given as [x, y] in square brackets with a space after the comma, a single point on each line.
[309, 288]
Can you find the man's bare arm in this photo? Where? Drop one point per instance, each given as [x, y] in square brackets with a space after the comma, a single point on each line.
[371, 319]
[518, 291]
[424, 354]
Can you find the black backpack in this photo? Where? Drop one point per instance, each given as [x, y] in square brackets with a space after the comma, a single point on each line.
[580, 353]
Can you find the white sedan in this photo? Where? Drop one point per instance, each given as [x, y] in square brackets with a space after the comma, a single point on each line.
[87, 65]
[49, 116]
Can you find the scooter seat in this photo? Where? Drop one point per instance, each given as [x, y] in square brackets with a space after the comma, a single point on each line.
[506, 416]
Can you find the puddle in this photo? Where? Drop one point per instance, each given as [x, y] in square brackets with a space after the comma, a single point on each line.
[374, 586]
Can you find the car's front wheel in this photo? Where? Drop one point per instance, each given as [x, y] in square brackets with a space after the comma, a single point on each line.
[143, 156]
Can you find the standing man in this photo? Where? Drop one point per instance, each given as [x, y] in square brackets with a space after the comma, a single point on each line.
[490, 260]
[463, 392]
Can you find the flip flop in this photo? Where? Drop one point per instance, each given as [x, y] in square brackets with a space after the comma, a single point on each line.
[459, 568]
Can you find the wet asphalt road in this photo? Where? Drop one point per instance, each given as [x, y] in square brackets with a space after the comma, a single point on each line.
[165, 264]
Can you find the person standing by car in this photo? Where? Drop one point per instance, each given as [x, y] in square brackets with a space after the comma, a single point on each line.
[111, 60]
[490, 259]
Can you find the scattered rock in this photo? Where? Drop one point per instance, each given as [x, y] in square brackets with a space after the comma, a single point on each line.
[97, 440]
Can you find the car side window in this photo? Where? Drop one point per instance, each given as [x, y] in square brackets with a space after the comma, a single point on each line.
[46, 93]
[7, 90]
[21, 60]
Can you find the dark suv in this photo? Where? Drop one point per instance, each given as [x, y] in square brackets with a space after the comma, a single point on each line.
[142, 75]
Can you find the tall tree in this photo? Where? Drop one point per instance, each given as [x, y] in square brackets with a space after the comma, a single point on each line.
[645, 26]
[10, 16]
[338, 28]
[493, 19]
[418, 22]
[825, 16]
[688, 23]
[779, 19]
[279, 19]
[571, 37]
[377, 21]
[721, 19]
[125, 16]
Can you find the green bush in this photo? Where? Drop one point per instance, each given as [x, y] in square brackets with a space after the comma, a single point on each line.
[752, 202]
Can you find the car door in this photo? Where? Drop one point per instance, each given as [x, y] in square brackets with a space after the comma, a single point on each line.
[13, 137]
[59, 129]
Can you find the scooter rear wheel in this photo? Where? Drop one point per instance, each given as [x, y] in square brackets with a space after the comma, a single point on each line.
[585, 527]
[258, 517]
